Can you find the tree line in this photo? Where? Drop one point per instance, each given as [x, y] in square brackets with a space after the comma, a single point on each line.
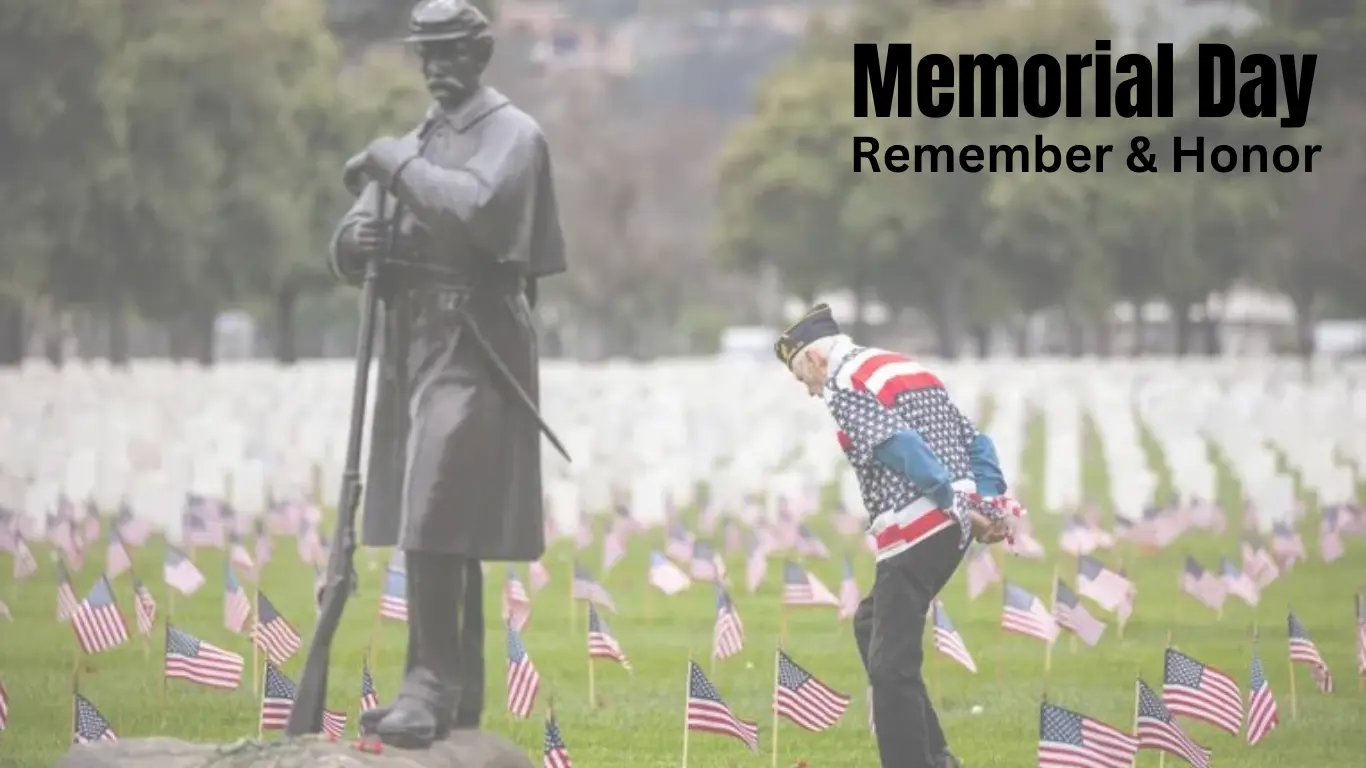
[977, 252]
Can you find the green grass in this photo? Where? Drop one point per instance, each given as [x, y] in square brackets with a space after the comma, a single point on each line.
[640, 724]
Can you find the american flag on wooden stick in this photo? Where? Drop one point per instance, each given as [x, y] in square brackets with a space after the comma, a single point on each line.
[25, 564]
[805, 700]
[369, 699]
[1303, 651]
[947, 640]
[1096, 582]
[116, 557]
[523, 679]
[144, 607]
[706, 712]
[667, 577]
[1192, 689]
[728, 636]
[393, 601]
[516, 602]
[1239, 584]
[601, 643]
[1361, 633]
[1202, 585]
[334, 723]
[67, 602]
[1262, 714]
[1072, 615]
[678, 543]
[99, 625]
[90, 724]
[180, 574]
[556, 753]
[1157, 729]
[1025, 614]
[800, 587]
[272, 633]
[706, 564]
[236, 604]
[4, 708]
[585, 588]
[849, 592]
[192, 659]
[1068, 739]
[277, 699]
[756, 561]
[982, 572]
[538, 576]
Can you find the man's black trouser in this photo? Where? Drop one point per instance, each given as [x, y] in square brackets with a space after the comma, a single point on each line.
[889, 628]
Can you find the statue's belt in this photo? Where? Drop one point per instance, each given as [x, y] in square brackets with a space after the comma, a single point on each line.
[423, 277]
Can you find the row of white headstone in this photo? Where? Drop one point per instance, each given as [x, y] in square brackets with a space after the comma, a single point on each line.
[649, 434]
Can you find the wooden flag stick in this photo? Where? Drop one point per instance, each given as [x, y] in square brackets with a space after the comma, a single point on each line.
[75, 692]
[775, 704]
[592, 675]
[260, 730]
[1294, 700]
[687, 696]
[573, 615]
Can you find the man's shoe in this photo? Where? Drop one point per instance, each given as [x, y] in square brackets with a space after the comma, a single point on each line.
[412, 725]
[949, 761]
[466, 721]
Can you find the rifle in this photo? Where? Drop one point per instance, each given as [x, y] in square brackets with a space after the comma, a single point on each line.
[311, 698]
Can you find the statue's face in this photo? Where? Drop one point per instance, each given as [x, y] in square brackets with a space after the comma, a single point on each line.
[451, 69]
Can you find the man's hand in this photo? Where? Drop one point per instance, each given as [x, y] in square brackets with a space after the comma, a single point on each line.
[986, 530]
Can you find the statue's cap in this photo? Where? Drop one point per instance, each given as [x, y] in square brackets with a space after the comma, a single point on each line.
[434, 20]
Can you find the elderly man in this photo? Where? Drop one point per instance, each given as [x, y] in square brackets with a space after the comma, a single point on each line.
[921, 466]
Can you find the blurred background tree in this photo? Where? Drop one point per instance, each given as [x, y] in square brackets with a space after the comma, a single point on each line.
[168, 167]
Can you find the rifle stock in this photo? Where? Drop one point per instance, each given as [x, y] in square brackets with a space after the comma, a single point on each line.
[307, 715]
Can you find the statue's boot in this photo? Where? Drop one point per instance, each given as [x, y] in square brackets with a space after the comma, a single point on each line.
[423, 711]
[469, 710]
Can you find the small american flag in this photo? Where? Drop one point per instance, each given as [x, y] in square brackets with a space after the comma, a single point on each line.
[1025, 614]
[667, 577]
[1262, 714]
[585, 588]
[116, 558]
[90, 724]
[1073, 616]
[393, 602]
[181, 574]
[583, 536]
[1361, 634]
[67, 602]
[538, 576]
[1287, 544]
[134, 530]
[1068, 739]
[601, 643]
[613, 548]
[516, 603]
[1202, 585]
[1077, 538]
[239, 557]
[1258, 562]
[982, 572]
[947, 640]
[263, 544]
[706, 711]
[556, 753]
[804, 700]
[334, 724]
[369, 699]
[1192, 689]
[803, 588]
[523, 679]
[1239, 584]
[236, 605]
[678, 544]
[272, 633]
[849, 592]
[728, 636]
[192, 659]
[200, 527]
[4, 708]
[277, 699]
[756, 562]
[25, 564]
[1157, 729]
[1330, 535]
[706, 564]
[1096, 582]
[144, 607]
[809, 544]
[1303, 651]
[99, 625]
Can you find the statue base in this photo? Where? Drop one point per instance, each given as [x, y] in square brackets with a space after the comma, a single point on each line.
[463, 749]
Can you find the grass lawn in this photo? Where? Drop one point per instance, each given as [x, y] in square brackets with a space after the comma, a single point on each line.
[639, 724]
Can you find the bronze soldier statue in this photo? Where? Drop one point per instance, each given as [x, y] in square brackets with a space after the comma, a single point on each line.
[454, 469]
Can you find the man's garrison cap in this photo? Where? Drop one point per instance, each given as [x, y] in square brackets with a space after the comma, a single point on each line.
[817, 323]
[434, 20]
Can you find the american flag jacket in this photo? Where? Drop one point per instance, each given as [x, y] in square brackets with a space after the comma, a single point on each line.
[874, 394]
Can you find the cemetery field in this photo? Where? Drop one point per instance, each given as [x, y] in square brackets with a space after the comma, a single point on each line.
[639, 722]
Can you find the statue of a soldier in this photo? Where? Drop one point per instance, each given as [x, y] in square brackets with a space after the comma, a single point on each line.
[454, 470]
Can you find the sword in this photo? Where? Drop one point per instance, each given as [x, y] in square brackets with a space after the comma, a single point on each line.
[510, 381]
